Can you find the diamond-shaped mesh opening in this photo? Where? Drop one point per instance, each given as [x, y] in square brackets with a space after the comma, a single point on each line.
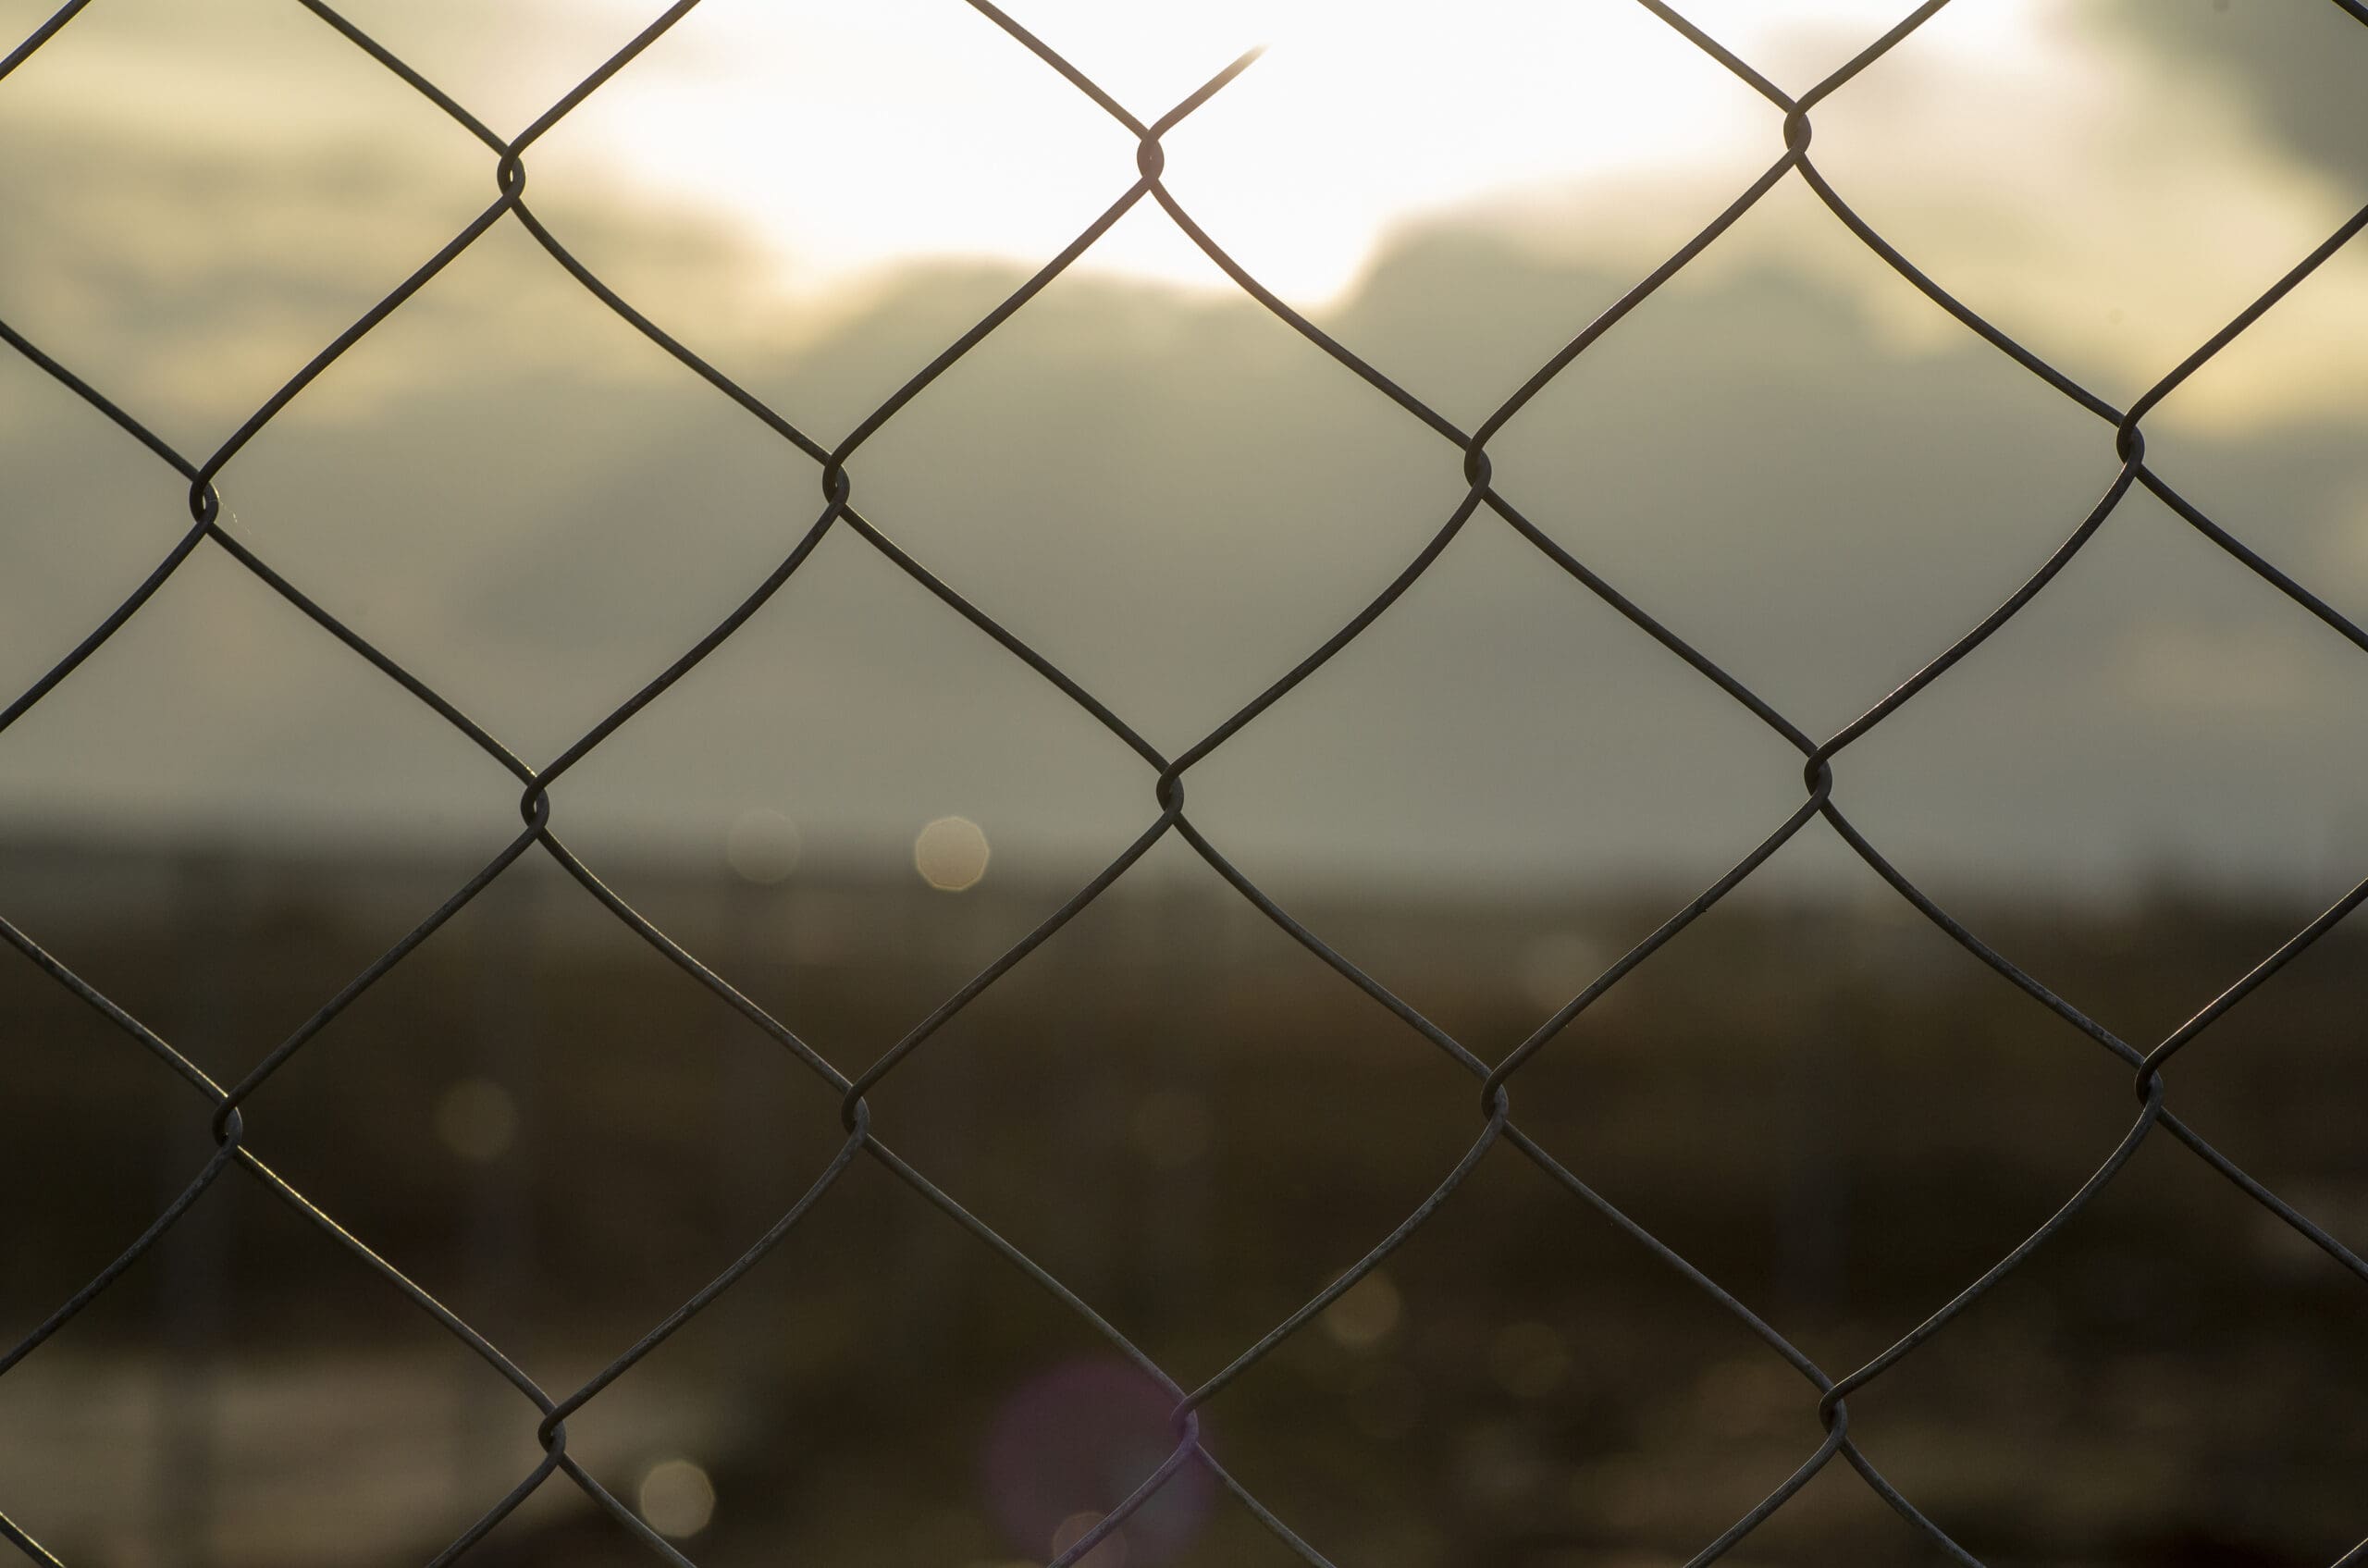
[1747, 1144]
[807, 760]
[1473, 1374]
[1539, 783]
[2153, 656]
[558, 486]
[524, 1041]
[1174, 1185]
[794, 1393]
[270, 899]
[1162, 495]
[1780, 459]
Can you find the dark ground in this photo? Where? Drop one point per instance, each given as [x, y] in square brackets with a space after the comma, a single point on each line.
[1195, 1126]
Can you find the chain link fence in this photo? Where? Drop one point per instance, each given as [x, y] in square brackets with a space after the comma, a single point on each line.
[236, 1153]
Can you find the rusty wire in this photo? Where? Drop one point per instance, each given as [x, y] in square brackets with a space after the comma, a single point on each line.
[211, 527]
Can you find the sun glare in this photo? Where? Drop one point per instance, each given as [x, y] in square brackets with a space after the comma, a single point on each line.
[852, 136]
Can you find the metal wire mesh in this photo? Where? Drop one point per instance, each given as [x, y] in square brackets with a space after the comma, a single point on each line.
[212, 526]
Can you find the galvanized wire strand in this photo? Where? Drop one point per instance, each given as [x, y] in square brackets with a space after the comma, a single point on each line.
[1483, 492]
[40, 35]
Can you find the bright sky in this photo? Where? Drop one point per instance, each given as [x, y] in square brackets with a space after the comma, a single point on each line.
[2059, 179]
[2073, 192]
[855, 135]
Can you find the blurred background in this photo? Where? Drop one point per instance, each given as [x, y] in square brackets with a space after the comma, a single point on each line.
[2138, 789]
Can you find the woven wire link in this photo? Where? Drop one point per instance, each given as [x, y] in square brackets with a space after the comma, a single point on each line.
[212, 525]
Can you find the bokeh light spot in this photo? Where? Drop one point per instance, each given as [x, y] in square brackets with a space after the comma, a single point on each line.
[1366, 1315]
[677, 1499]
[951, 854]
[762, 847]
[1069, 1445]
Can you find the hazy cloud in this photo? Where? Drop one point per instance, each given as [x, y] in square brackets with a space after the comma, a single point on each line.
[1173, 496]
